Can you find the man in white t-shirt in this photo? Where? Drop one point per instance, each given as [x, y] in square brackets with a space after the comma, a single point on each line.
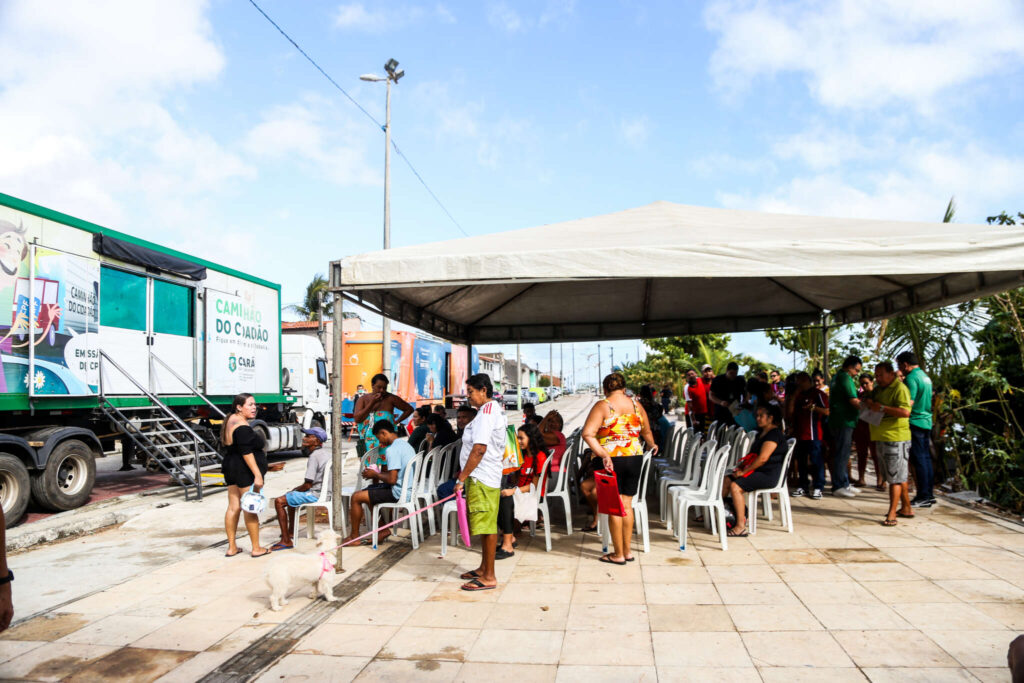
[483, 448]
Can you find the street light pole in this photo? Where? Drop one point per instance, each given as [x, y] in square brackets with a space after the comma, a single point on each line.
[393, 74]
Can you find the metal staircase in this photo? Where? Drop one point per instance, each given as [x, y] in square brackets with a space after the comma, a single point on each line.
[161, 434]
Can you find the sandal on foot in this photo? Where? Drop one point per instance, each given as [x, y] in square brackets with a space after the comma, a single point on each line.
[471, 574]
[607, 559]
[590, 529]
[477, 585]
[237, 552]
[266, 551]
[737, 534]
[904, 515]
[280, 546]
[888, 522]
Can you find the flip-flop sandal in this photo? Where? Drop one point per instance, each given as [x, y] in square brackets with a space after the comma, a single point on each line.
[630, 559]
[888, 522]
[234, 554]
[607, 559]
[471, 574]
[263, 554]
[280, 546]
[905, 515]
[589, 529]
[476, 585]
[879, 487]
[741, 534]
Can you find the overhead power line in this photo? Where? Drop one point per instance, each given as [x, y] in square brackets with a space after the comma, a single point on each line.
[361, 108]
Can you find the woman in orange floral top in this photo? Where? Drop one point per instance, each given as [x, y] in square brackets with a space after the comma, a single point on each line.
[613, 431]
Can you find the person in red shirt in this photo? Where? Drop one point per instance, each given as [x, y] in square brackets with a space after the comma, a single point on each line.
[696, 392]
[810, 412]
[531, 441]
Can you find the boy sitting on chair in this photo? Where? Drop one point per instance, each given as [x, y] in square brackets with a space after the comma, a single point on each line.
[387, 483]
[306, 492]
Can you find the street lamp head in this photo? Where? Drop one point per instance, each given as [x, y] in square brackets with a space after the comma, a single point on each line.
[372, 78]
[398, 74]
[391, 65]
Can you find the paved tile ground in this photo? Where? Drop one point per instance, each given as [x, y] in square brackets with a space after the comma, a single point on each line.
[937, 598]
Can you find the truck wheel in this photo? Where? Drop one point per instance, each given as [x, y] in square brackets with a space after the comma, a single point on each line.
[67, 481]
[14, 488]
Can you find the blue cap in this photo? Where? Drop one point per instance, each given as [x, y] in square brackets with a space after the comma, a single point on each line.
[317, 432]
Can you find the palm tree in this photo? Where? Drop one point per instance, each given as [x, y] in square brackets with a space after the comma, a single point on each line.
[310, 307]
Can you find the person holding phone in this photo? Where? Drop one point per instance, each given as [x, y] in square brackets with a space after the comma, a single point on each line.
[373, 407]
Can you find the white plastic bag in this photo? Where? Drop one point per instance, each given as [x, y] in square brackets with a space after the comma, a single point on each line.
[253, 501]
[525, 505]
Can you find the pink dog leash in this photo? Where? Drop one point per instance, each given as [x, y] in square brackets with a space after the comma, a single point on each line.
[390, 524]
[326, 565]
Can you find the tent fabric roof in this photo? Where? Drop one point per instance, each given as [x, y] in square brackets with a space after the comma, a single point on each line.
[665, 269]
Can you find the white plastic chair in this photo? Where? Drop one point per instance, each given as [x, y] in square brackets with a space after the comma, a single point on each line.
[540, 491]
[785, 508]
[710, 497]
[561, 491]
[323, 501]
[407, 503]
[641, 523]
[424, 489]
[688, 476]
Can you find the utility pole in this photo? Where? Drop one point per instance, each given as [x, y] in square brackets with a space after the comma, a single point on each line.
[612, 349]
[551, 364]
[561, 367]
[519, 379]
[393, 74]
[337, 457]
[573, 352]
[599, 364]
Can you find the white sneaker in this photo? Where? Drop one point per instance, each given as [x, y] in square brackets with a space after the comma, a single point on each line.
[853, 488]
[798, 493]
[845, 492]
[816, 494]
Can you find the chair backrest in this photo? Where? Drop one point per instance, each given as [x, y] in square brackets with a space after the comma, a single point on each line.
[447, 454]
[705, 459]
[542, 482]
[409, 484]
[717, 478]
[423, 476]
[325, 486]
[645, 469]
[368, 457]
[790, 447]
[690, 461]
[562, 478]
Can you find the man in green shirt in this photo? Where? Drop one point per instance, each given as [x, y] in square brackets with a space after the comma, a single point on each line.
[892, 398]
[844, 408]
[920, 387]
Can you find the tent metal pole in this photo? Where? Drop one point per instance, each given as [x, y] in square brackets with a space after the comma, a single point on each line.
[519, 379]
[824, 347]
[337, 457]
[573, 352]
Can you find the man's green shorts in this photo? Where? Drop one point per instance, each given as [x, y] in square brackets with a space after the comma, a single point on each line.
[482, 506]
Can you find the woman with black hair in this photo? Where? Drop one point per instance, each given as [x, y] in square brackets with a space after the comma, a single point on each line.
[439, 432]
[760, 468]
[245, 464]
[531, 442]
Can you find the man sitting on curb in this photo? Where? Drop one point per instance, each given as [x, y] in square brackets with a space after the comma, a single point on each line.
[306, 492]
[387, 486]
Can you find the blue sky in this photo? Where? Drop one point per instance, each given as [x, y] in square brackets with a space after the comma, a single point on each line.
[196, 125]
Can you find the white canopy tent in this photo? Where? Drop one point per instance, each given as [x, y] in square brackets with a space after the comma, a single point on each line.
[666, 269]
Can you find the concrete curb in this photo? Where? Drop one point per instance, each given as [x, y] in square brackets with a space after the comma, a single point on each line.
[93, 517]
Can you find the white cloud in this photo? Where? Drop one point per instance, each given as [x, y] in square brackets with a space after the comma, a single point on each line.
[556, 10]
[83, 124]
[915, 184]
[635, 130]
[500, 15]
[298, 133]
[355, 16]
[866, 54]
[820, 148]
[718, 164]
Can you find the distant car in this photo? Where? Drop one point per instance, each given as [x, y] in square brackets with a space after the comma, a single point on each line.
[510, 399]
[531, 397]
[539, 391]
[554, 392]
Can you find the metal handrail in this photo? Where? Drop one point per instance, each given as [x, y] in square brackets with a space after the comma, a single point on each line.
[191, 388]
[167, 411]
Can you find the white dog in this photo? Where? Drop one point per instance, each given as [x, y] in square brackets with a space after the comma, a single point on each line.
[315, 568]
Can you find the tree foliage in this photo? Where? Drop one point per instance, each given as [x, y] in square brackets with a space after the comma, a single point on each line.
[673, 356]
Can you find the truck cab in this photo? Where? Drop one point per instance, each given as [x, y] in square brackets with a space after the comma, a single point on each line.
[304, 374]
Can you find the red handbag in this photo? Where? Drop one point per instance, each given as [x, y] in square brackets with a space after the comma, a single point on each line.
[608, 500]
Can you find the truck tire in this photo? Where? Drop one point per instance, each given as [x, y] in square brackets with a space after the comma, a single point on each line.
[14, 488]
[68, 478]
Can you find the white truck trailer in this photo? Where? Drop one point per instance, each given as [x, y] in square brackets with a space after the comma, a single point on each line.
[114, 337]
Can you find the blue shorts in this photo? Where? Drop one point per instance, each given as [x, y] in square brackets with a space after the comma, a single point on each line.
[297, 498]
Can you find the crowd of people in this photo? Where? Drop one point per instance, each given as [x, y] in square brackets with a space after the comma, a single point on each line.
[886, 415]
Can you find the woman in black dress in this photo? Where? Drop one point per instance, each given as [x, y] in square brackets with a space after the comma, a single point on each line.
[760, 469]
[245, 463]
